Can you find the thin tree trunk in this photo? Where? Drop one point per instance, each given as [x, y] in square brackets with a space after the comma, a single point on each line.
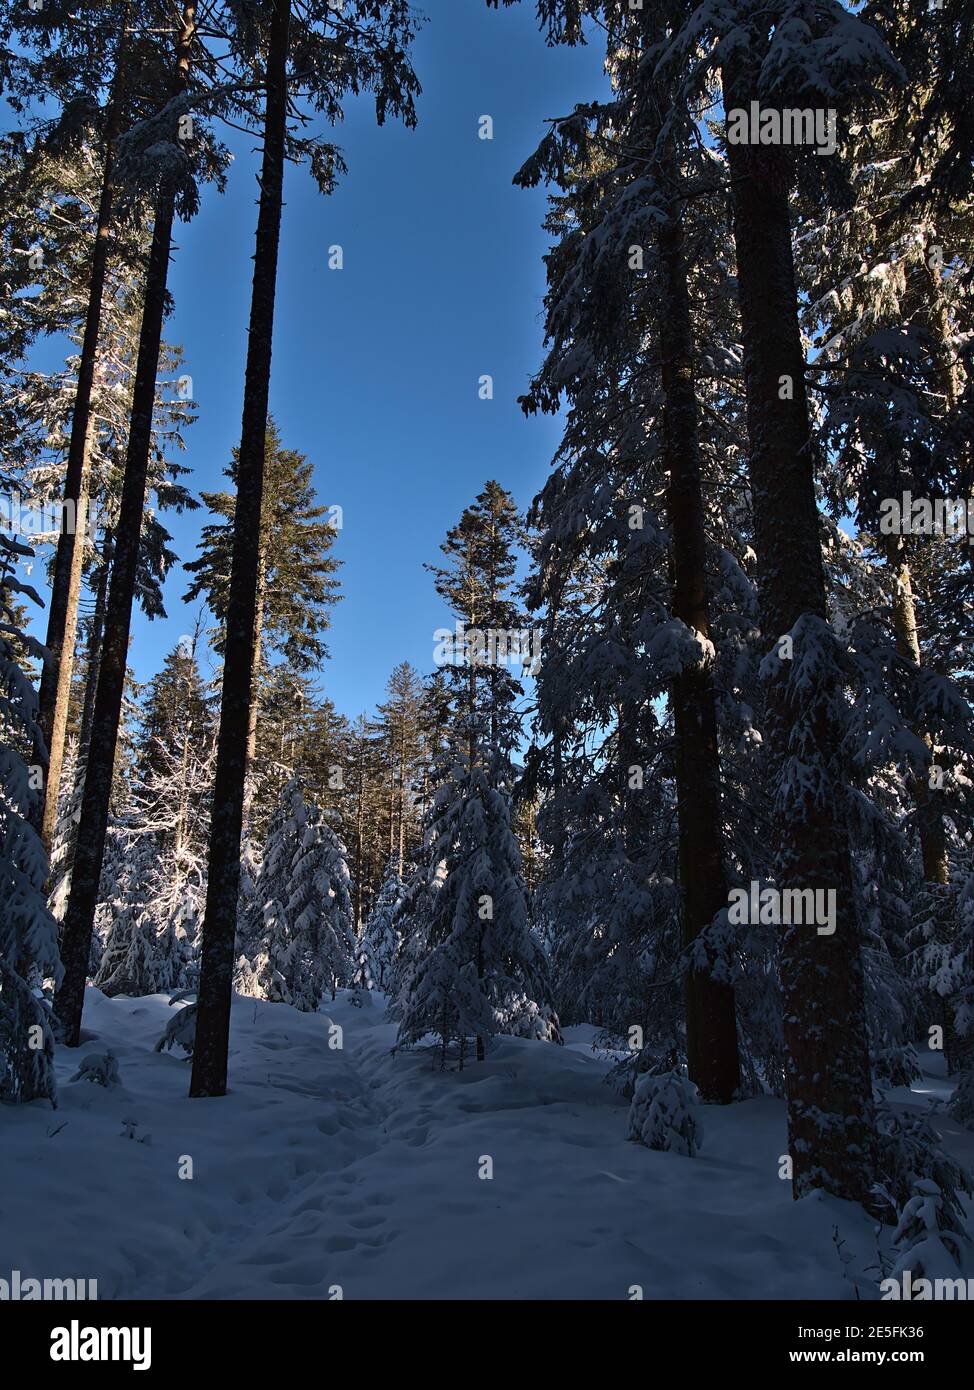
[360, 834]
[402, 800]
[827, 1060]
[95, 636]
[711, 1021]
[90, 848]
[931, 830]
[251, 753]
[62, 623]
[930, 825]
[219, 925]
[930, 822]
[65, 623]
[392, 813]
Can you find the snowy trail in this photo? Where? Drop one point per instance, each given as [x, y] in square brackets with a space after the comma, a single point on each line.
[355, 1168]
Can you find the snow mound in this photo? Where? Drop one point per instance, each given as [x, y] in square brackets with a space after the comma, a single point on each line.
[663, 1114]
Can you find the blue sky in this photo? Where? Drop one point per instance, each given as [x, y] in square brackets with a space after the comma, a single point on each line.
[376, 367]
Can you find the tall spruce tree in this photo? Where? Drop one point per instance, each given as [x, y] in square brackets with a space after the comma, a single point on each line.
[295, 584]
[473, 956]
[28, 932]
[373, 41]
[297, 938]
[620, 292]
[92, 830]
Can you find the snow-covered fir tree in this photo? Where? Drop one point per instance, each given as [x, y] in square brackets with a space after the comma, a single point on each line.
[28, 931]
[297, 940]
[379, 940]
[154, 879]
[472, 958]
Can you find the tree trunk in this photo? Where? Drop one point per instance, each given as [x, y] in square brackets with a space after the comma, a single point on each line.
[402, 801]
[827, 1061]
[62, 623]
[251, 753]
[712, 1057]
[219, 925]
[95, 635]
[931, 830]
[360, 834]
[930, 823]
[90, 848]
[62, 635]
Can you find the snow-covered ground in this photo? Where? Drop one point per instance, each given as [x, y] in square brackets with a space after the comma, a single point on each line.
[358, 1168]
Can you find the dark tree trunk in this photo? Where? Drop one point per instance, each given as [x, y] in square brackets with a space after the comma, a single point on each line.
[220, 921]
[95, 636]
[930, 822]
[62, 622]
[360, 833]
[827, 1061]
[251, 754]
[712, 1058]
[90, 847]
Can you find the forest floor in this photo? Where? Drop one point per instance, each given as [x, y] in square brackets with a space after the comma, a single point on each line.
[360, 1168]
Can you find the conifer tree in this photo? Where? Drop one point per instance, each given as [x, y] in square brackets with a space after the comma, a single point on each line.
[801, 62]
[379, 939]
[400, 722]
[155, 889]
[374, 40]
[28, 932]
[92, 830]
[298, 940]
[295, 584]
[619, 311]
[473, 952]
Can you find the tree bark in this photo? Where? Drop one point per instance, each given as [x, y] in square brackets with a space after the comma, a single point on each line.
[360, 833]
[402, 799]
[62, 623]
[930, 822]
[95, 635]
[251, 754]
[219, 925]
[827, 1061]
[92, 830]
[712, 1055]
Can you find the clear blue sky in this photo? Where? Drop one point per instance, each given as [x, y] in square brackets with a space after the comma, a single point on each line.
[376, 366]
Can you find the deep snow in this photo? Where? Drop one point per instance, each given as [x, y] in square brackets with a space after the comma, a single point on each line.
[359, 1168]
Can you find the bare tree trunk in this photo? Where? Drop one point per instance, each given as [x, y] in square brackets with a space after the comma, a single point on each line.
[55, 729]
[251, 753]
[219, 925]
[931, 830]
[827, 1060]
[402, 800]
[360, 834]
[62, 623]
[95, 637]
[90, 848]
[711, 1021]
[930, 823]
